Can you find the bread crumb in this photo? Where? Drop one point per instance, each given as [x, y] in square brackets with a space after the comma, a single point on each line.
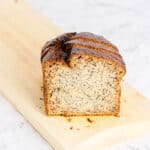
[41, 98]
[90, 120]
[69, 119]
[42, 88]
[117, 115]
[71, 127]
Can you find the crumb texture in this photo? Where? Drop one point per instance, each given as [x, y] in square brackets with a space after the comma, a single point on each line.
[81, 78]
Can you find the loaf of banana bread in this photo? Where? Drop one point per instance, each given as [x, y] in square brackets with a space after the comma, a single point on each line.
[81, 75]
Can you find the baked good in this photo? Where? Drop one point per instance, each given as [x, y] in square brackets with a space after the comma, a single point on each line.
[81, 75]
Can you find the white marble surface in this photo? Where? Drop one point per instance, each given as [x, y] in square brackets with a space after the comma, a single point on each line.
[125, 23]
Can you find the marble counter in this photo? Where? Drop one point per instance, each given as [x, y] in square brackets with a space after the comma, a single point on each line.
[125, 23]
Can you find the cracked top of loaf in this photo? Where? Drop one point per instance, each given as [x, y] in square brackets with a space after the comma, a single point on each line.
[66, 45]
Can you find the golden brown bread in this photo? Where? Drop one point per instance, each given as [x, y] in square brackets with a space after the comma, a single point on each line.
[66, 49]
[84, 41]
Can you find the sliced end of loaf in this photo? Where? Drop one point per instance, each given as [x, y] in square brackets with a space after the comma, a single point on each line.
[86, 86]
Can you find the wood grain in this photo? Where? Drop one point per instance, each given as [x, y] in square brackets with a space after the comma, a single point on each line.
[23, 31]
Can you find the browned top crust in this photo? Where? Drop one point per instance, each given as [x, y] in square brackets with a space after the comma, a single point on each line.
[84, 43]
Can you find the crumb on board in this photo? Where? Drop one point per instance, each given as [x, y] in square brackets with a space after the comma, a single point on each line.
[117, 115]
[90, 120]
[41, 98]
[71, 128]
[69, 119]
[42, 88]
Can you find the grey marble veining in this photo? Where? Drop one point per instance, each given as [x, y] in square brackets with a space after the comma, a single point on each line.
[125, 23]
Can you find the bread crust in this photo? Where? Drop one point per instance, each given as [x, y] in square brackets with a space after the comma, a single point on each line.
[64, 48]
[86, 36]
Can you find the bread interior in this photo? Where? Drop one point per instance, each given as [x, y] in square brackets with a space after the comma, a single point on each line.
[89, 86]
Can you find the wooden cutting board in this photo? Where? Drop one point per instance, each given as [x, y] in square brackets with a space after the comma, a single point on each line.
[23, 31]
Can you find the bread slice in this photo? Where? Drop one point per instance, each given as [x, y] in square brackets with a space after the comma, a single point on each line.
[81, 75]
